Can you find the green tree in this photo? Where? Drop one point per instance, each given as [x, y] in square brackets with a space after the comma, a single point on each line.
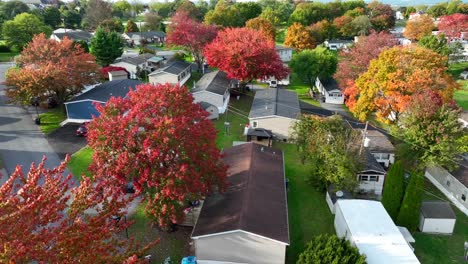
[131, 27]
[96, 12]
[437, 10]
[11, 9]
[106, 46]
[310, 64]
[163, 9]
[326, 249]
[52, 17]
[329, 141]
[436, 43]
[248, 10]
[409, 211]
[152, 21]
[452, 7]
[410, 10]
[71, 19]
[394, 189]
[112, 25]
[225, 14]
[21, 30]
[121, 9]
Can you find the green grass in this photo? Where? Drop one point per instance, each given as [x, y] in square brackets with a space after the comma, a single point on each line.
[308, 212]
[79, 163]
[440, 249]
[7, 56]
[461, 96]
[302, 90]
[51, 120]
[456, 68]
[194, 77]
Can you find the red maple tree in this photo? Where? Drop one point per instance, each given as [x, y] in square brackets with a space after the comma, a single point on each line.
[191, 35]
[48, 220]
[245, 54]
[453, 25]
[355, 62]
[163, 142]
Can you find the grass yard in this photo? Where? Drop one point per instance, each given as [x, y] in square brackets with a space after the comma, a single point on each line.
[51, 120]
[456, 68]
[79, 163]
[302, 90]
[7, 56]
[441, 249]
[461, 96]
[308, 212]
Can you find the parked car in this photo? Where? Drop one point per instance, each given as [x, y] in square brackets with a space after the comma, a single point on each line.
[273, 84]
[82, 130]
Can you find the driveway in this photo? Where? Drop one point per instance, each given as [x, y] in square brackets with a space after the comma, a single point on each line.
[335, 108]
[64, 141]
[21, 141]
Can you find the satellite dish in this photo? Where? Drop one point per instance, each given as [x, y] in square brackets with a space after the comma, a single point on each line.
[339, 194]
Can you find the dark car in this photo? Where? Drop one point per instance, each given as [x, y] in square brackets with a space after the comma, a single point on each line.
[82, 130]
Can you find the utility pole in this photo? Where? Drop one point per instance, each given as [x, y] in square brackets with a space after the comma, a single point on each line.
[363, 138]
[226, 122]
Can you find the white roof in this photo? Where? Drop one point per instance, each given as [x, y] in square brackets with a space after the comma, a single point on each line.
[374, 233]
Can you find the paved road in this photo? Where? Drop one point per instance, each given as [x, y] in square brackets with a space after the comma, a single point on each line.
[21, 141]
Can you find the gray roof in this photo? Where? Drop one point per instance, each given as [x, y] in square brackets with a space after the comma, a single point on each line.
[119, 73]
[259, 132]
[379, 143]
[176, 68]
[275, 101]
[437, 209]
[330, 84]
[105, 91]
[138, 60]
[216, 82]
[75, 35]
[205, 105]
[279, 47]
[370, 163]
[344, 41]
[147, 34]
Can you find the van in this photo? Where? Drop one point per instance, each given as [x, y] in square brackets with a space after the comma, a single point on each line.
[273, 84]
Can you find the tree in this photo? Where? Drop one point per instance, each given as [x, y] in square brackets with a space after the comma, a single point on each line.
[419, 27]
[50, 67]
[96, 12]
[453, 25]
[121, 9]
[271, 15]
[410, 10]
[355, 62]
[106, 46]
[310, 64]
[262, 25]
[50, 221]
[400, 72]
[361, 25]
[21, 30]
[411, 205]
[225, 14]
[432, 129]
[152, 21]
[308, 13]
[324, 249]
[436, 43]
[245, 54]
[344, 26]
[163, 9]
[394, 189]
[381, 16]
[248, 10]
[10, 9]
[190, 34]
[131, 27]
[158, 125]
[322, 31]
[71, 19]
[329, 140]
[191, 9]
[112, 25]
[52, 17]
[437, 10]
[299, 38]
[453, 7]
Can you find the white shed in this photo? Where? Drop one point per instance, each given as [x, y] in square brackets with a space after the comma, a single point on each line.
[436, 217]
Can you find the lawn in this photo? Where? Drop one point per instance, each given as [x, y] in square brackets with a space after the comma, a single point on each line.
[7, 56]
[51, 120]
[432, 249]
[456, 68]
[302, 90]
[79, 162]
[461, 96]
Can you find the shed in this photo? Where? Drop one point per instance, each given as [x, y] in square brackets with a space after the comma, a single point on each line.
[436, 217]
[117, 75]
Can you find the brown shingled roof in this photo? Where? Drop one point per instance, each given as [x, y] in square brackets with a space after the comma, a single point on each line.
[255, 200]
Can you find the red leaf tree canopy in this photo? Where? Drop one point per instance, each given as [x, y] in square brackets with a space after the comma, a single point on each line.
[159, 139]
[245, 54]
[453, 25]
[190, 34]
[45, 219]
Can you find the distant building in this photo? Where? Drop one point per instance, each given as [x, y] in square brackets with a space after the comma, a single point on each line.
[338, 44]
[177, 72]
[74, 35]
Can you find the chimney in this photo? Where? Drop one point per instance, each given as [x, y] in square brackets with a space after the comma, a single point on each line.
[366, 142]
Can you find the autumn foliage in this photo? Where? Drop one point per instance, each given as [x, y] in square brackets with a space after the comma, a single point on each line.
[299, 37]
[453, 25]
[245, 54]
[389, 84]
[162, 142]
[45, 218]
[262, 25]
[419, 27]
[50, 67]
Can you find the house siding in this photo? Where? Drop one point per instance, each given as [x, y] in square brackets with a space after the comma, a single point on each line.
[436, 225]
[239, 247]
[280, 126]
[331, 97]
[375, 187]
[132, 69]
[384, 158]
[212, 98]
[81, 110]
[162, 78]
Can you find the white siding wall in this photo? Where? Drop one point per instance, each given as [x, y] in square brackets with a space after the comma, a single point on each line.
[341, 228]
[212, 98]
[386, 158]
[239, 247]
[334, 97]
[330, 203]
[433, 225]
[163, 78]
[372, 186]
[132, 69]
[280, 126]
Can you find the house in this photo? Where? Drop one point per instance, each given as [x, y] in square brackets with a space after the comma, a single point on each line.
[338, 44]
[371, 179]
[249, 222]
[177, 72]
[453, 184]
[276, 110]
[148, 36]
[74, 35]
[212, 110]
[145, 61]
[117, 75]
[437, 217]
[367, 226]
[285, 53]
[330, 90]
[81, 108]
[380, 147]
[213, 88]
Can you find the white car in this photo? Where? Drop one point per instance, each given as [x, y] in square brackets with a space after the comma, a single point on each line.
[273, 84]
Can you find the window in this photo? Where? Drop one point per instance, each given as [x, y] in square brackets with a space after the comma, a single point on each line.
[374, 178]
[363, 178]
[255, 124]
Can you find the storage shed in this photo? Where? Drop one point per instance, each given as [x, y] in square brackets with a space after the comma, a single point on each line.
[436, 217]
